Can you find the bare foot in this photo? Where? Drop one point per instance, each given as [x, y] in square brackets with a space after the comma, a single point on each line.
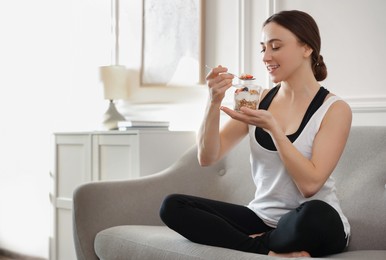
[291, 255]
[256, 235]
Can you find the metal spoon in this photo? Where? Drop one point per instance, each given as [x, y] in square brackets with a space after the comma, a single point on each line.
[239, 77]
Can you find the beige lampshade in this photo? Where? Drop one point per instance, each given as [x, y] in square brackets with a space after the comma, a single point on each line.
[115, 82]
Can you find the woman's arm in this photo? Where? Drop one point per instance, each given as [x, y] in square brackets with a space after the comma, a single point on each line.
[212, 142]
[310, 174]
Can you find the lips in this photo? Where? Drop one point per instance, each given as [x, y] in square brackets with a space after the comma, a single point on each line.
[272, 68]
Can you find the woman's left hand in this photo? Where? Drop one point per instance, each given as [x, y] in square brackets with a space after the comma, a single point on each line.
[261, 118]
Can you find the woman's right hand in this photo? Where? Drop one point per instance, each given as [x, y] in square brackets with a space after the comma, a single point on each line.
[218, 81]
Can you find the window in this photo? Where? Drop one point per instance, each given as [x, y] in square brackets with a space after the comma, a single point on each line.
[162, 40]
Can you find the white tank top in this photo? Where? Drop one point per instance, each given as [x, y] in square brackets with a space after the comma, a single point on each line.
[276, 193]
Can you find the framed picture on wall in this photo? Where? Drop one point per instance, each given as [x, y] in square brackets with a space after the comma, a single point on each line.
[172, 39]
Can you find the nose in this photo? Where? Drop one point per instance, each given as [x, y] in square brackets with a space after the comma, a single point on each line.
[267, 56]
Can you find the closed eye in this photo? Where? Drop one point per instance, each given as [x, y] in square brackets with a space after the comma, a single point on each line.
[271, 44]
[273, 48]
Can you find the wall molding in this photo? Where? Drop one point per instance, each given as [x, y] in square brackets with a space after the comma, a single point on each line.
[367, 104]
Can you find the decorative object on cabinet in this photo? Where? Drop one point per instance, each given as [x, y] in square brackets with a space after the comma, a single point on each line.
[115, 86]
[130, 124]
[114, 77]
[82, 157]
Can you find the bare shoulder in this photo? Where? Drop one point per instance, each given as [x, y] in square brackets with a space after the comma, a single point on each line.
[339, 113]
[264, 93]
[340, 106]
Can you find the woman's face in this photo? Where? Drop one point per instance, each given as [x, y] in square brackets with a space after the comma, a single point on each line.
[282, 53]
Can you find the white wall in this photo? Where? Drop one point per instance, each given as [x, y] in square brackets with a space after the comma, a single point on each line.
[50, 52]
[353, 37]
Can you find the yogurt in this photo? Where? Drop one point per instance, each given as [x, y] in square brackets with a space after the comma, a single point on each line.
[247, 95]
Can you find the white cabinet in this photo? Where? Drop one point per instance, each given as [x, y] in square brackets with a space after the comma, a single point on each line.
[111, 155]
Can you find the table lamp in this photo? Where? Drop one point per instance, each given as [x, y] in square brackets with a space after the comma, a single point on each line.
[115, 86]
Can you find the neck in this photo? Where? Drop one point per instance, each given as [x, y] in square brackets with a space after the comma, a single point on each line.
[301, 81]
[300, 85]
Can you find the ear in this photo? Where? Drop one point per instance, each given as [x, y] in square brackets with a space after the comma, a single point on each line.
[307, 51]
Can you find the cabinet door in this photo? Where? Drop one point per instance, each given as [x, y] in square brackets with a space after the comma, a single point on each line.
[64, 239]
[115, 157]
[73, 160]
[72, 168]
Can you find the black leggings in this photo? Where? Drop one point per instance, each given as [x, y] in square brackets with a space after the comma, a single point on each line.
[314, 226]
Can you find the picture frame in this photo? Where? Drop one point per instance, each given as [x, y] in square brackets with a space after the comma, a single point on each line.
[172, 43]
[130, 22]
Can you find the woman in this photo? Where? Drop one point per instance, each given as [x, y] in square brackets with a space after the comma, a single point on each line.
[296, 136]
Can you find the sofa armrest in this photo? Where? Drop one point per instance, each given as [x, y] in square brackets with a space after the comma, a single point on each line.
[100, 205]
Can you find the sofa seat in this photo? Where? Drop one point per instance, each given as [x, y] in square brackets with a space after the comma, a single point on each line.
[160, 242]
[157, 242]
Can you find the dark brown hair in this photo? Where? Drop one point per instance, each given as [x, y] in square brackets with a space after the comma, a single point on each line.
[304, 27]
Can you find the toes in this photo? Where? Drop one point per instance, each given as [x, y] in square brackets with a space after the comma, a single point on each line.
[291, 255]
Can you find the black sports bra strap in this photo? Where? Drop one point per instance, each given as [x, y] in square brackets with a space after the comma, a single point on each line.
[266, 101]
[264, 139]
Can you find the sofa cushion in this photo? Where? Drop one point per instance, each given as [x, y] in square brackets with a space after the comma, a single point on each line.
[361, 255]
[160, 242]
[360, 180]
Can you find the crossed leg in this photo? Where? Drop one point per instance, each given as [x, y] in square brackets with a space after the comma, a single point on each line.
[232, 226]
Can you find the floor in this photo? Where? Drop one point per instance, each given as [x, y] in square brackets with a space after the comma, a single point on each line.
[6, 255]
[13, 257]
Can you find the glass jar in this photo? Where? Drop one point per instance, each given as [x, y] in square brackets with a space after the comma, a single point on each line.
[247, 95]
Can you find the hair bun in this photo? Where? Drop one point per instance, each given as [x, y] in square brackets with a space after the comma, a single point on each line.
[320, 69]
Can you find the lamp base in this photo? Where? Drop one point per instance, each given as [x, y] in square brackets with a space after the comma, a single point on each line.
[112, 117]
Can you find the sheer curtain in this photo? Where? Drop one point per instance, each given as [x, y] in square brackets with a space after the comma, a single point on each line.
[50, 54]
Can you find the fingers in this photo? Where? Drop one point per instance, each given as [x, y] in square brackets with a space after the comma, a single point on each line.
[249, 111]
[217, 72]
[218, 77]
[235, 115]
[247, 115]
[244, 112]
[219, 81]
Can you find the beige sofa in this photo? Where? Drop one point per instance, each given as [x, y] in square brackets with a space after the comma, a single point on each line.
[120, 220]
